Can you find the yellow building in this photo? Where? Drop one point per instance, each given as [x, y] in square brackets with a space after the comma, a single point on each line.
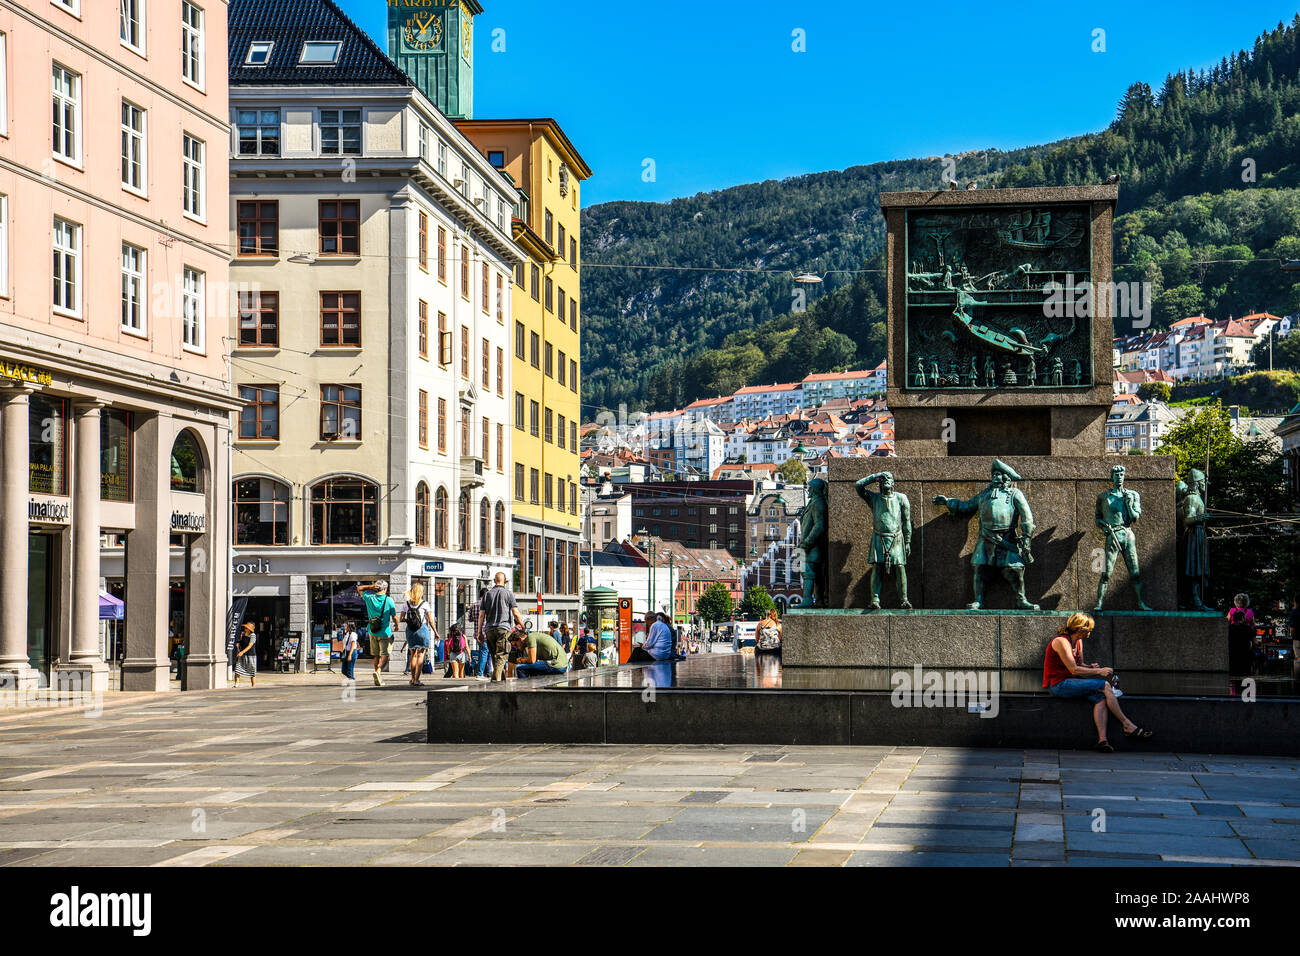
[547, 518]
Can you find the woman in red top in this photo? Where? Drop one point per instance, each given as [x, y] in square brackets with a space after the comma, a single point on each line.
[1065, 676]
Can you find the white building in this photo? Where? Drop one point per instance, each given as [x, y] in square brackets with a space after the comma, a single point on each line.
[826, 386]
[699, 444]
[764, 401]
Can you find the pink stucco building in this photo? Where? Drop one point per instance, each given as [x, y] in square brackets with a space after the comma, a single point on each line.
[114, 304]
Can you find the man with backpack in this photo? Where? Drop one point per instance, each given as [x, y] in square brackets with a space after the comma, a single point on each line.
[381, 613]
[497, 612]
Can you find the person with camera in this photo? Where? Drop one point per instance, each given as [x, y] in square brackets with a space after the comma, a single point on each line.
[1065, 676]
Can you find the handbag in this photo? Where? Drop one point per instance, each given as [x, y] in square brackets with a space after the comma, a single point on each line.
[427, 666]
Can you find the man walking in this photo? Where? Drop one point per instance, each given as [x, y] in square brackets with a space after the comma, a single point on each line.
[497, 612]
[381, 613]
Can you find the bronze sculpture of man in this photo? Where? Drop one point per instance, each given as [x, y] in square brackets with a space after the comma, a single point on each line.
[1193, 552]
[1005, 527]
[1118, 509]
[891, 535]
[812, 542]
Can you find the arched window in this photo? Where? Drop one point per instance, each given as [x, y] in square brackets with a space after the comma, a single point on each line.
[422, 515]
[261, 511]
[187, 463]
[345, 511]
[501, 529]
[463, 526]
[485, 527]
[440, 518]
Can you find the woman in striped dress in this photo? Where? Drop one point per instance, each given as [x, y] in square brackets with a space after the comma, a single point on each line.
[246, 655]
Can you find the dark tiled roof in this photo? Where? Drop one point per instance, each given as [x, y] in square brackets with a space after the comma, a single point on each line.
[291, 22]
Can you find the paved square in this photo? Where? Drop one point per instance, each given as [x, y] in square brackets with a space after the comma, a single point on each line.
[301, 774]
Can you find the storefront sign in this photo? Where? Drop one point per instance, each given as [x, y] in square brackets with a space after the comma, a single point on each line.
[25, 373]
[433, 567]
[183, 521]
[48, 511]
[259, 566]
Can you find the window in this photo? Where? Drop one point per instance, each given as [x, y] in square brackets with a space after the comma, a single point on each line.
[559, 430]
[534, 350]
[192, 47]
[259, 132]
[424, 330]
[559, 244]
[67, 114]
[4, 85]
[549, 365]
[345, 511]
[484, 527]
[319, 53]
[549, 432]
[259, 319]
[485, 450]
[442, 425]
[501, 447]
[519, 274]
[186, 463]
[72, 6]
[444, 341]
[573, 314]
[519, 411]
[47, 435]
[259, 228]
[463, 527]
[115, 455]
[464, 434]
[573, 437]
[4, 242]
[131, 23]
[519, 340]
[573, 375]
[423, 427]
[573, 498]
[464, 351]
[550, 497]
[501, 371]
[484, 303]
[67, 267]
[573, 253]
[133, 148]
[192, 191]
[535, 285]
[501, 299]
[519, 482]
[133, 289]
[442, 254]
[424, 241]
[259, 53]
[440, 517]
[463, 252]
[340, 413]
[534, 491]
[259, 419]
[261, 508]
[500, 537]
[340, 132]
[534, 414]
[340, 319]
[549, 298]
[550, 228]
[442, 159]
[422, 515]
[340, 228]
[561, 367]
[487, 364]
[496, 158]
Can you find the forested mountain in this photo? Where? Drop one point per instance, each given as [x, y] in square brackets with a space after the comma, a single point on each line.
[1208, 169]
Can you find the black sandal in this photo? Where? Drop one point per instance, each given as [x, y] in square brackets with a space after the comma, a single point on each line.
[1104, 747]
[1139, 734]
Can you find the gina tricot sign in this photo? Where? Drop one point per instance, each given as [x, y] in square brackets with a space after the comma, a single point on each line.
[188, 521]
[47, 511]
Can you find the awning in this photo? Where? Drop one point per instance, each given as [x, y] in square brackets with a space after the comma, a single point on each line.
[110, 608]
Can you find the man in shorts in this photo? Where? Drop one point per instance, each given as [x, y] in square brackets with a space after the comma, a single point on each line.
[497, 612]
[380, 611]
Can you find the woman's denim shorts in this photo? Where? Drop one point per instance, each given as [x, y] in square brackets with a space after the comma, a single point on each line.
[1089, 687]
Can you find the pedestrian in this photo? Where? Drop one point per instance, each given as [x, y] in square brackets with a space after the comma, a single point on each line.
[1064, 675]
[539, 654]
[381, 613]
[1241, 637]
[420, 630]
[497, 611]
[246, 655]
[480, 654]
[350, 651]
[566, 639]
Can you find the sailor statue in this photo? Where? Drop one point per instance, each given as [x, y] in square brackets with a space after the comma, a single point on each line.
[1118, 509]
[891, 535]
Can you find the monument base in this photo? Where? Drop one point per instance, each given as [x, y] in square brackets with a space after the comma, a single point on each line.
[1126, 640]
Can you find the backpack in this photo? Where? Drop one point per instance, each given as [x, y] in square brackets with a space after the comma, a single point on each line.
[1237, 616]
[414, 616]
[455, 641]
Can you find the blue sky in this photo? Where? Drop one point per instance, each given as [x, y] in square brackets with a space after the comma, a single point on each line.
[714, 93]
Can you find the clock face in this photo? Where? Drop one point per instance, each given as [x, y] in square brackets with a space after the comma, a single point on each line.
[422, 32]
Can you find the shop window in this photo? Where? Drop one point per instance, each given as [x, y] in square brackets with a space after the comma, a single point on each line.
[261, 508]
[345, 511]
[186, 463]
[114, 455]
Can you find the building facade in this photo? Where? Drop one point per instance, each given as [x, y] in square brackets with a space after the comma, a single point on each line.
[373, 261]
[114, 405]
[545, 334]
[696, 514]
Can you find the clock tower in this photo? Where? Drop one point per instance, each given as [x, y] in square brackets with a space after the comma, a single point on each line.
[432, 41]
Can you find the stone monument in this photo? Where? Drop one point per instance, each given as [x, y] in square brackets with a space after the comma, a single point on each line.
[1014, 283]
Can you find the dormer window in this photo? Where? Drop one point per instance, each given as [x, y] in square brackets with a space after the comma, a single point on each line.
[496, 158]
[320, 53]
[259, 53]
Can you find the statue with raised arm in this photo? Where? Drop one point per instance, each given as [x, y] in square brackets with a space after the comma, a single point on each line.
[1118, 509]
[1193, 552]
[812, 541]
[891, 535]
[1005, 527]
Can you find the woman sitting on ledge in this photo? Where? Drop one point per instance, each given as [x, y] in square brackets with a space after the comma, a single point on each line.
[1064, 676]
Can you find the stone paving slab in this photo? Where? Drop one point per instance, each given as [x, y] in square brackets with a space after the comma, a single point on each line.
[293, 775]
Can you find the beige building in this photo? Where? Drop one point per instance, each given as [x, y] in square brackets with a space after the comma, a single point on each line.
[114, 393]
